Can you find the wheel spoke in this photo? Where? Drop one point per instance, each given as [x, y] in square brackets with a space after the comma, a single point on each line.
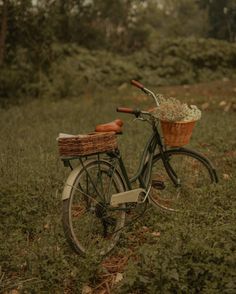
[89, 223]
[193, 174]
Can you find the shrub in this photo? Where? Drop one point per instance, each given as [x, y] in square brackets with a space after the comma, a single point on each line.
[73, 69]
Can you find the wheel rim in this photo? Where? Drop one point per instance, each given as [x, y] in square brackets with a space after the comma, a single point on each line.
[94, 227]
[194, 175]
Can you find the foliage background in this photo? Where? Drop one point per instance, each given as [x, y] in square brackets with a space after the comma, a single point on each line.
[61, 48]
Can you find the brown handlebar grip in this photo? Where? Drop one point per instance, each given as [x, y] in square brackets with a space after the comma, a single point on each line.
[137, 84]
[125, 110]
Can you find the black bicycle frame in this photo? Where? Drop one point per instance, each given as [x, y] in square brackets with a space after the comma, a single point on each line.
[144, 171]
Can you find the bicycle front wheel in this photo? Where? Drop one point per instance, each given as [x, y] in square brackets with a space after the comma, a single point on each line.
[89, 222]
[192, 172]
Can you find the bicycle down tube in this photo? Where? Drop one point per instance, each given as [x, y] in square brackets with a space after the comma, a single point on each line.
[146, 162]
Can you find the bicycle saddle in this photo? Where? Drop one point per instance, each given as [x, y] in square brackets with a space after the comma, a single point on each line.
[114, 126]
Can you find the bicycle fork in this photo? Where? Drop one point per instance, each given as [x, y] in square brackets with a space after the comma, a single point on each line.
[170, 171]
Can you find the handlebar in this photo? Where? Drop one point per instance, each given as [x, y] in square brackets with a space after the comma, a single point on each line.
[137, 84]
[145, 90]
[136, 112]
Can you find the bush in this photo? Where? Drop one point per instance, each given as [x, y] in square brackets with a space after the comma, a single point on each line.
[74, 69]
[187, 60]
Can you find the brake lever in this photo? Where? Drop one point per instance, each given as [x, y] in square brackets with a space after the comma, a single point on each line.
[139, 118]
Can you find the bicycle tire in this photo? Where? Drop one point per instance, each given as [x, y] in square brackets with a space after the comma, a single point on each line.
[87, 224]
[194, 172]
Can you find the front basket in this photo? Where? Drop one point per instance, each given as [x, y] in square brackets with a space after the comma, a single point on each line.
[88, 144]
[177, 134]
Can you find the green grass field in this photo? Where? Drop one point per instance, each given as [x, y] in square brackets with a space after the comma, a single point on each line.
[190, 252]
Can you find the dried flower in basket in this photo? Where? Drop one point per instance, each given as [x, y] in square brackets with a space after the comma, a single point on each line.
[173, 110]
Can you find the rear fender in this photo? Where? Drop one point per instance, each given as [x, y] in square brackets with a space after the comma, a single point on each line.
[75, 173]
[70, 181]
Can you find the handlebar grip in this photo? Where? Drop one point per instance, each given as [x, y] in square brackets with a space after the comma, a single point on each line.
[137, 84]
[125, 110]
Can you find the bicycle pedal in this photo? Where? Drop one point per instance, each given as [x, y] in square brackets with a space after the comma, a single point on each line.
[159, 185]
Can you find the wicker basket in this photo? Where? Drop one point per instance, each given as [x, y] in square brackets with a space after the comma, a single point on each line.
[82, 145]
[177, 134]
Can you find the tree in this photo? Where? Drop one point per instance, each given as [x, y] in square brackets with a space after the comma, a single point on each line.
[230, 12]
[222, 18]
[175, 18]
[3, 30]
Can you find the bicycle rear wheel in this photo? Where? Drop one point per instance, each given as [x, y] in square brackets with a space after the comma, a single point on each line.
[192, 171]
[89, 223]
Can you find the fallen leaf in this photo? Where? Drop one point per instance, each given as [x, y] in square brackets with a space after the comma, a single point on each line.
[231, 153]
[145, 229]
[226, 176]
[87, 290]
[222, 103]
[227, 107]
[204, 144]
[46, 226]
[225, 79]
[122, 87]
[102, 291]
[156, 234]
[14, 291]
[205, 105]
[119, 277]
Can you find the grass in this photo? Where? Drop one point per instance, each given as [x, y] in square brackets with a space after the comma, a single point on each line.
[195, 250]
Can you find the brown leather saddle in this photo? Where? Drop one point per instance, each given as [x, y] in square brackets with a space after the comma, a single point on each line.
[114, 126]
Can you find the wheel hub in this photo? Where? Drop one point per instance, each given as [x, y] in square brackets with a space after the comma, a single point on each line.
[159, 185]
[100, 210]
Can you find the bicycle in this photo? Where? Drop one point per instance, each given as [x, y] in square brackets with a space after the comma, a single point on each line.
[98, 193]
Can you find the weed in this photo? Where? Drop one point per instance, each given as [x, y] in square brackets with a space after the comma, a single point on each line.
[195, 251]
